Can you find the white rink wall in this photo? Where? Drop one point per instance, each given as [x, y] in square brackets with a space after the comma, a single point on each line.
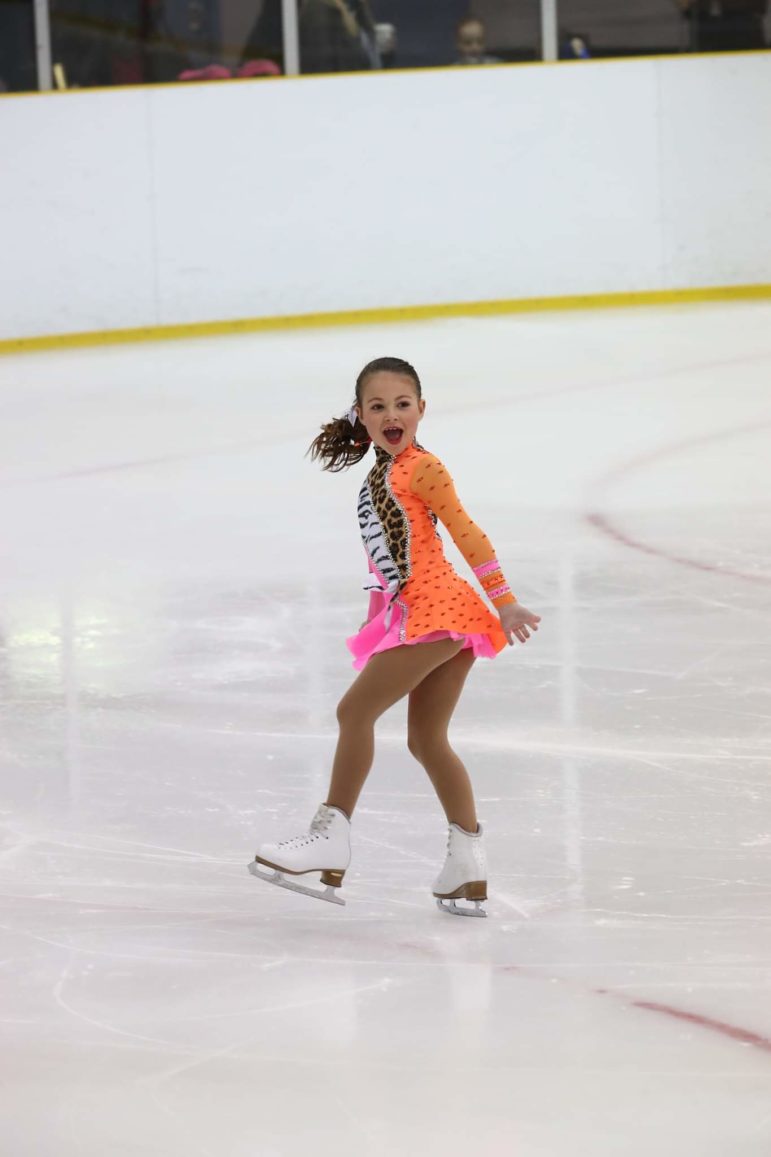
[184, 204]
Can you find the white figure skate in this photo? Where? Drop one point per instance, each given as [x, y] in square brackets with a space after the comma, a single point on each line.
[464, 875]
[325, 848]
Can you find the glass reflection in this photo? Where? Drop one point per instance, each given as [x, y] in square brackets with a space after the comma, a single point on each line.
[654, 27]
[126, 42]
[725, 25]
[18, 70]
[264, 37]
[110, 42]
[337, 36]
[350, 35]
[117, 42]
[512, 29]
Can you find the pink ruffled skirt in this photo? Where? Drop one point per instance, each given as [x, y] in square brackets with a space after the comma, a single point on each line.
[376, 637]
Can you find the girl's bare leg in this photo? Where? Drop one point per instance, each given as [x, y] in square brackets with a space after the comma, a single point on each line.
[431, 707]
[387, 678]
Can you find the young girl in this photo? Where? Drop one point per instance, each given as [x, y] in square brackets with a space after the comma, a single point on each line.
[425, 627]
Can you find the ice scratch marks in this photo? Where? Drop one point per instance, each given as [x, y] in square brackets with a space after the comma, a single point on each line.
[210, 1056]
[103, 1026]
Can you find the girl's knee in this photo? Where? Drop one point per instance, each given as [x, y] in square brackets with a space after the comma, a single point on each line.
[344, 711]
[415, 745]
[352, 713]
[428, 747]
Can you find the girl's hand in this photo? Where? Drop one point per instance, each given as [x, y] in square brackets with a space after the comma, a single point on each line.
[516, 621]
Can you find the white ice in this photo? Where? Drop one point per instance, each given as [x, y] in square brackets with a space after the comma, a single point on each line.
[177, 583]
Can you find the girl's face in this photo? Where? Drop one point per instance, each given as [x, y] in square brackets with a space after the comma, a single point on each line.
[390, 410]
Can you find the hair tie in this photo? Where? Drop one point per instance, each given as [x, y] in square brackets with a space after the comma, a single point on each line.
[352, 416]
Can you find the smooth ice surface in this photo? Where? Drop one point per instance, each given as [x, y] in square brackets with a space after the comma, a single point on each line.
[177, 582]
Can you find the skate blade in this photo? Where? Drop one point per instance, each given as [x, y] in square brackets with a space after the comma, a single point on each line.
[281, 881]
[454, 910]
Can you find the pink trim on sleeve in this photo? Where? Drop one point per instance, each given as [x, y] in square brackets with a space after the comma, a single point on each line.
[486, 568]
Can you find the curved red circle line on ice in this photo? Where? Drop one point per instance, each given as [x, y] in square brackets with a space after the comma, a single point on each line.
[603, 523]
[744, 1035]
[700, 1020]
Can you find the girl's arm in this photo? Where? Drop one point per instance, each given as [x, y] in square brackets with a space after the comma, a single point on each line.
[432, 483]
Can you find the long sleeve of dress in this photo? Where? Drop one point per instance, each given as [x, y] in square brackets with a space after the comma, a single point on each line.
[432, 483]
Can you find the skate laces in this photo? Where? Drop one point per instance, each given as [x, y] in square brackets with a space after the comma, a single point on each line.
[319, 825]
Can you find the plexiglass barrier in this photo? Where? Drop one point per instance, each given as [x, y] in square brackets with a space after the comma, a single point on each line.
[97, 43]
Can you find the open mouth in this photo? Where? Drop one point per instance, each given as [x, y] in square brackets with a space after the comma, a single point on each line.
[393, 435]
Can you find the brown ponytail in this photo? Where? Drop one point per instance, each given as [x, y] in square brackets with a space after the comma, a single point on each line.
[340, 444]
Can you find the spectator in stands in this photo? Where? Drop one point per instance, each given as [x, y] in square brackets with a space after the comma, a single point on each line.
[725, 25]
[575, 47]
[470, 42]
[337, 36]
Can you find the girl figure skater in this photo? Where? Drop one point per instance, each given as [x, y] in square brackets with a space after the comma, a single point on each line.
[425, 627]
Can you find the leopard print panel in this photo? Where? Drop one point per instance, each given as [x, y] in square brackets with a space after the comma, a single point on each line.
[394, 521]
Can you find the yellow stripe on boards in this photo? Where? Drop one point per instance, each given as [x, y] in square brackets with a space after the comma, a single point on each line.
[388, 315]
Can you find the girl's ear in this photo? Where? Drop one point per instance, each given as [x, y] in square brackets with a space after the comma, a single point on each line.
[422, 406]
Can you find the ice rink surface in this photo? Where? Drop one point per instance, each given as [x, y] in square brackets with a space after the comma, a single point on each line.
[176, 586]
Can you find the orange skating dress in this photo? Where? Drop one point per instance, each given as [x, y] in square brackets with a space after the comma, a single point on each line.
[416, 595]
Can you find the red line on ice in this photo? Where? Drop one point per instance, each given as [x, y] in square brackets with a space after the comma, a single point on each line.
[603, 523]
[741, 1034]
